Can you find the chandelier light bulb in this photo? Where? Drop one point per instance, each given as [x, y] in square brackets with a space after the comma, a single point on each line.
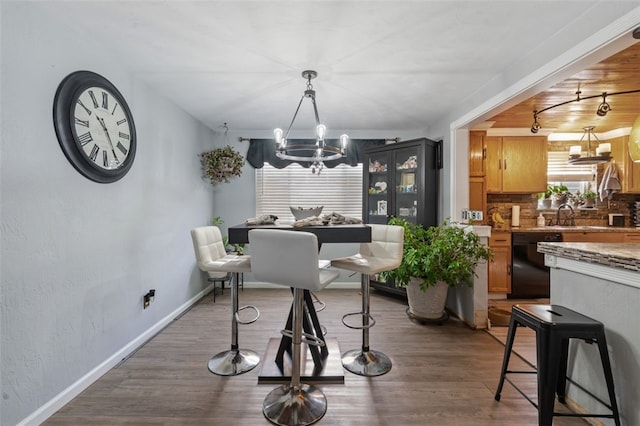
[321, 131]
[344, 141]
[277, 134]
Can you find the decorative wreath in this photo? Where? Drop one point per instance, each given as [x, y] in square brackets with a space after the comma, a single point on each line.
[221, 164]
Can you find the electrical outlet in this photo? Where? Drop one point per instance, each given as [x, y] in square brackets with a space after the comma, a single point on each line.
[148, 298]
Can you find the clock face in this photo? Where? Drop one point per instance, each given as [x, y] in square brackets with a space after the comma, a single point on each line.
[94, 126]
[101, 128]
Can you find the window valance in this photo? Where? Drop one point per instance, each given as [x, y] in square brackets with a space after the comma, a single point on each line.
[263, 151]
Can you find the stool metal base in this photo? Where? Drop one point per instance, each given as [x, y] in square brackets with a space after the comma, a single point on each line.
[288, 405]
[366, 363]
[233, 362]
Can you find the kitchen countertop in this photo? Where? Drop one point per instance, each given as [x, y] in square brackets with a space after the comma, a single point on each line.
[569, 229]
[616, 255]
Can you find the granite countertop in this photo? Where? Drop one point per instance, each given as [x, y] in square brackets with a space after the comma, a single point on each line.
[617, 255]
[569, 229]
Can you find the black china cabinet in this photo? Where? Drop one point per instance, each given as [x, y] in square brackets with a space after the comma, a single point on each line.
[401, 180]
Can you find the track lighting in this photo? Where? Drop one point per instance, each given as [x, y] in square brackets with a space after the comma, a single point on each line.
[535, 126]
[604, 107]
[602, 110]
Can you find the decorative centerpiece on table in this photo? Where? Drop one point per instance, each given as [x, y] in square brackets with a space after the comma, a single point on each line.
[434, 259]
[303, 213]
[221, 164]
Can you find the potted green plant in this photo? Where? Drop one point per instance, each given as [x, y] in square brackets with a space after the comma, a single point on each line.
[589, 198]
[434, 259]
[560, 193]
[546, 197]
[221, 164]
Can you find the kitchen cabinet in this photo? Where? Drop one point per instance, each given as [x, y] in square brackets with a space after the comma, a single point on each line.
[401, 180]
[478, 196]
[516, 164]
[500, 265]
[600, 237]
[477, 153]
[477, 161]
[632, 237]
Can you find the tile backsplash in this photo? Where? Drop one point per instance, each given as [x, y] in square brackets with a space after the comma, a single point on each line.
[598, 216]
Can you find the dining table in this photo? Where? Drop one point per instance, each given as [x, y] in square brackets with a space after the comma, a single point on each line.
[322, 355]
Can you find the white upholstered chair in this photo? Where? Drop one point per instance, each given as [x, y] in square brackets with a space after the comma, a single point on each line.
[383, 253]
[213, 259]
[290, 258]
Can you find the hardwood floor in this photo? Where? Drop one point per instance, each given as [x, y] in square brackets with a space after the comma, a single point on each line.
[441, 375]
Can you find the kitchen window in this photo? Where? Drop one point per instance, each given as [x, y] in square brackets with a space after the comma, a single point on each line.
[576, 177]
[338, 189]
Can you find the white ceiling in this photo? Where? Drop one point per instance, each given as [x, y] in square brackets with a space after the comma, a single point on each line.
[383, 65]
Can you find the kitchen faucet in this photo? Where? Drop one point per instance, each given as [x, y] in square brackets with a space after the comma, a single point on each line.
[567, 221]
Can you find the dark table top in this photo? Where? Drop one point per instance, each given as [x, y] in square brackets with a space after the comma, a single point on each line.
[359, 233]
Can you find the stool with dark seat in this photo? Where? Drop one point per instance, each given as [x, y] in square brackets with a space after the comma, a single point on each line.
[290, 258]
[554, 326]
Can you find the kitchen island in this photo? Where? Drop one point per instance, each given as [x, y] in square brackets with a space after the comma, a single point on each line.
[602, 281]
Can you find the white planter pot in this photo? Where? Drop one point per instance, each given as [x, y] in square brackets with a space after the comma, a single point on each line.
[426, 304]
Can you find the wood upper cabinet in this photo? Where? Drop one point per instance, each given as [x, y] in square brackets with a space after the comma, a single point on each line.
[500, 265]
[516, 164]
[477, 153]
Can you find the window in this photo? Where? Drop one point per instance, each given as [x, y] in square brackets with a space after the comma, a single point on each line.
[338, 189]
[576, 177]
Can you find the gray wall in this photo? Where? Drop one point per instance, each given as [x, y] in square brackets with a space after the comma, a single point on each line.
[77, 256]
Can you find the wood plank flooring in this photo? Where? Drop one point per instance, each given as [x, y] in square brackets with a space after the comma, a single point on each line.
[441, 375]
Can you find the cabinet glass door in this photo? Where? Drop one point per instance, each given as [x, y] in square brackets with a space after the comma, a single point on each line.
[407, 179]
[377, 205]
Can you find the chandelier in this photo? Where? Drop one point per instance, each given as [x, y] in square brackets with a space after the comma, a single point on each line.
[602, 153]
[317, 153]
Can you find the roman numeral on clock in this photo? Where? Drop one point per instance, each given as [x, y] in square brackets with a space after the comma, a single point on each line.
[105, 159]
[105, 100]
[83, 106]
[123, 135]
[121, 148]
[85, 138]
[80, 122]
[93, 98]
[94, 153]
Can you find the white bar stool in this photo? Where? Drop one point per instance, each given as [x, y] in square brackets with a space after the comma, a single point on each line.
[212, 258]
[290, 258]
[383, 253]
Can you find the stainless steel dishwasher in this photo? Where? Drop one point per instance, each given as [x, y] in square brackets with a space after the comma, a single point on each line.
[529, 276]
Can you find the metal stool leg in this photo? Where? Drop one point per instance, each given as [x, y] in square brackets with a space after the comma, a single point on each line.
[364, 361]
[235, 361]
[295, 403]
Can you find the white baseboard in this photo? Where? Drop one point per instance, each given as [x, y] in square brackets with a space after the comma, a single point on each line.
[60, 400]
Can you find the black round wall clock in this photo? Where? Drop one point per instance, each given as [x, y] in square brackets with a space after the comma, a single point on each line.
[94, 126]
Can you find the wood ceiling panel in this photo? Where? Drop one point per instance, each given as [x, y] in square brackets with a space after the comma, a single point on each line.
[619, 73]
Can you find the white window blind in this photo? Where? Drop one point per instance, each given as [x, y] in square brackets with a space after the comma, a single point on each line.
[558, 170]
[338, 189]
